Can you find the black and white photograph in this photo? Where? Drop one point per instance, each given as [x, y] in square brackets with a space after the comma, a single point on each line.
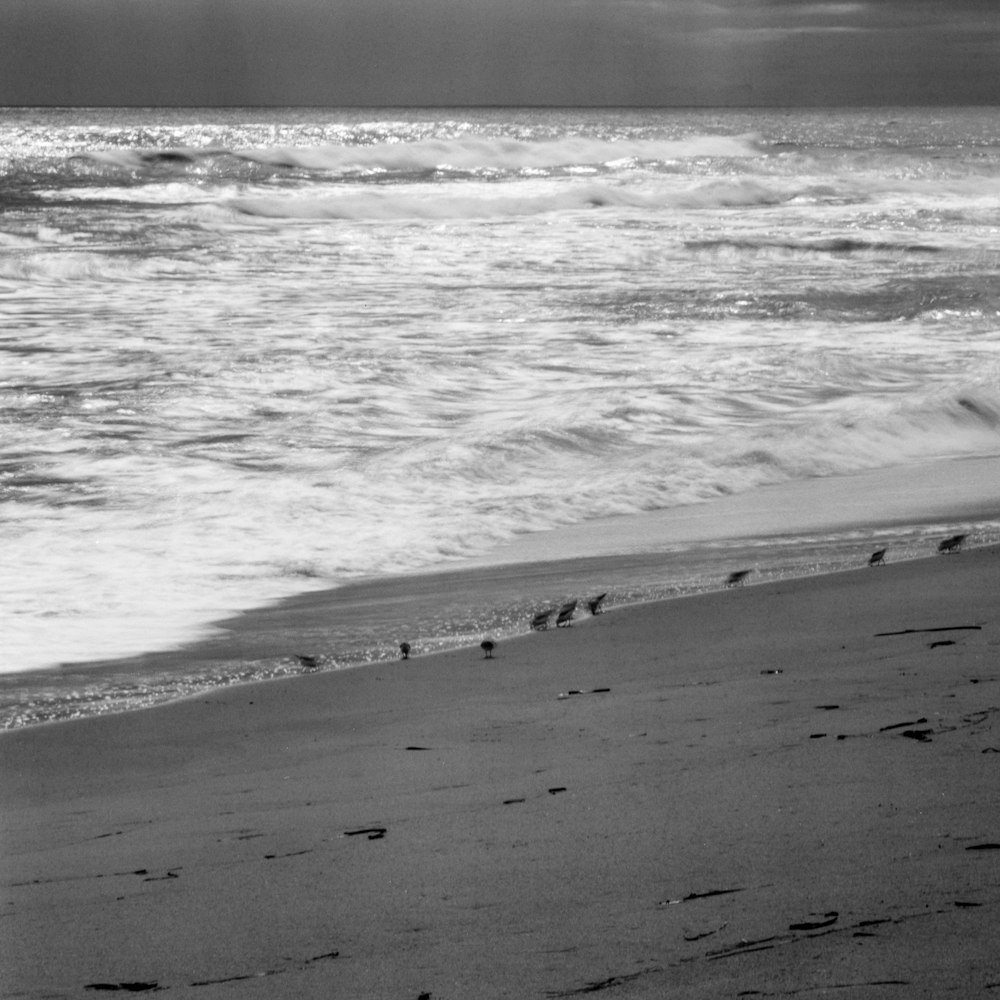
[500, 499]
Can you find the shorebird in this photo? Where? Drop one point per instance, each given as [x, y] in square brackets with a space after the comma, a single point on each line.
[487, 646]
[738, 577]
[595, 604]
[404, 648]
[540, 620]
[953, 544]
[307, 661]
[564, 617]
[877, 558]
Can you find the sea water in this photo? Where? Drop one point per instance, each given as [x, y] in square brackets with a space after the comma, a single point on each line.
[248, 353]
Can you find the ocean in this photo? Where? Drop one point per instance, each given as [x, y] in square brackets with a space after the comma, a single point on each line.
[252, 353]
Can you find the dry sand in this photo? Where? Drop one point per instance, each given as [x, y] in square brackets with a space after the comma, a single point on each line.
[787, 789]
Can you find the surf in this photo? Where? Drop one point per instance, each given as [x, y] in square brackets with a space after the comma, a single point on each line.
[258, 352]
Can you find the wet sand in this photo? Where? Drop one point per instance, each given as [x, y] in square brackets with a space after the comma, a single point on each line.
[783, 789]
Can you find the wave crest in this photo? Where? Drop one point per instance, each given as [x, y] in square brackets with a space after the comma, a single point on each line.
[476, 153]
[472, 154]
[463, 204]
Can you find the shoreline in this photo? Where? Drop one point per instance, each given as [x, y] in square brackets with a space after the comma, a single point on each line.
[781, 532]
[264, 643]
[773, 788]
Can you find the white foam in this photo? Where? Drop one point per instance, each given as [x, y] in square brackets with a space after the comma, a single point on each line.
[507, 154]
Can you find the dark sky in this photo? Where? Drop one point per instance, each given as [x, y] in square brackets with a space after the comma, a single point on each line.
[507, 52]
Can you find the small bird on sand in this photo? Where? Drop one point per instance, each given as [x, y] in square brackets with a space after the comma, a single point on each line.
[487, 646]
[307, 661]
[404, 648]
[953, 544]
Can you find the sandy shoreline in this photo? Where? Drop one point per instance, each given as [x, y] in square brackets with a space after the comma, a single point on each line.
[795, 529]
[786, 788]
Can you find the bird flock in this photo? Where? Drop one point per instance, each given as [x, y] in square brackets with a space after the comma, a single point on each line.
[564, 613]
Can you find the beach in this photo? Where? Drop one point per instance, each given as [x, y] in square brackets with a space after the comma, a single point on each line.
[260, 353]
[786, 788]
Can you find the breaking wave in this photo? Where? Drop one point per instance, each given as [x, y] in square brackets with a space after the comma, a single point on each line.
[471, 154]
[461, 203]
[502, 154]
